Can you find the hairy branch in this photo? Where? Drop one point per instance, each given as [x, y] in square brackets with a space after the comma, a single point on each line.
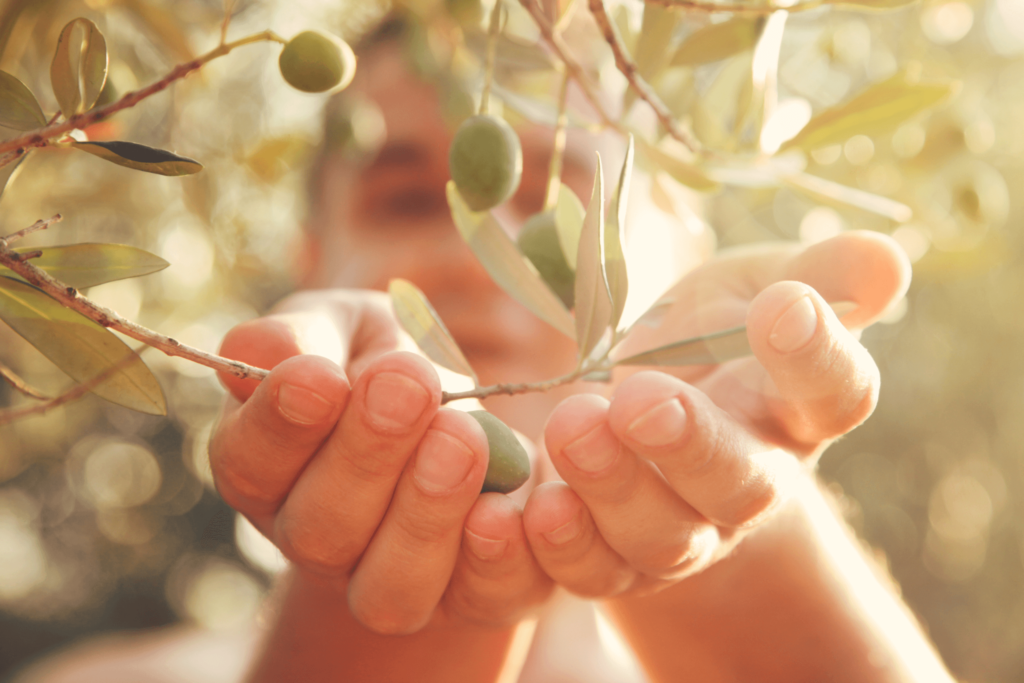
[73, 394]
[642, 88]
[35, 227]
[738, 8]
[21, 385]
[42, 136]
[70, 298]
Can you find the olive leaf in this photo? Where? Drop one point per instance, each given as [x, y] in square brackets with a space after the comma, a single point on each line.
[684, 173]
[717, 347]
[614, 258]
[8, 172]
[140, 158]
[569, 213]
[18, 106]
[80, 347]
[506, 265]
[514, 54]
[870, 4]
[716, 42]
[421, 321]
[656, 32]
[88, 264]
[837, 194]
[593, 300]
[79, 67]
[881, 107]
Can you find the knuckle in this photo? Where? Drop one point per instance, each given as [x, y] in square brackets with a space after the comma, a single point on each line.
[424, 529]
[602, 584]
[382, 620]
[672, 559]
[309, 548]
[758, 500]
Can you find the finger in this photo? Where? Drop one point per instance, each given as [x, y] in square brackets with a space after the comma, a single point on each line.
[261, 343]
[404, 572]
[865, 267]
[496, 578]
[261, 446]
[823, 381]
[330, 514]
[568, 546]
[713, 462]
[635, 509]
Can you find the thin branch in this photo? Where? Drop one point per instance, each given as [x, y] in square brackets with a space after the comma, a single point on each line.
[35, 227]
[642, 88]
[70, 298]
[493, 31]
[523, 388]
[229, 6]
[21, 385]
[558, 147]
[75, 393]
[738, 8]
[42, 136]
[555, 42]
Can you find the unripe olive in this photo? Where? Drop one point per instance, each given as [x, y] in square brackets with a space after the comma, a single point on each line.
[538, 240]
[509, 464]
[314, 62]
[486, 161]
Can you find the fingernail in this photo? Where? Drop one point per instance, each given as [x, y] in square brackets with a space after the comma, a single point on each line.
[594, 451]
[794, 328]
[565, 533]
[484, 548]
[442, 462]
[302, 406]
[661, 425]
[395, 401]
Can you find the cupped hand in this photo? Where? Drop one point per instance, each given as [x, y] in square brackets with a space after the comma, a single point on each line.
[343, 458]
[666, 477]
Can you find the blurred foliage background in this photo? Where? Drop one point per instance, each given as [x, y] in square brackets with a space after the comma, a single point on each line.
[108, 518]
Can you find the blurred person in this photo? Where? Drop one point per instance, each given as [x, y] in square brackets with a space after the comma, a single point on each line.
[685, 501]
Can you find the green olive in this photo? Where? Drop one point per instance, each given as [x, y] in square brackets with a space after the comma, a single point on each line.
[509, 465]
[486, 161]
[538, 240]
[314, 62]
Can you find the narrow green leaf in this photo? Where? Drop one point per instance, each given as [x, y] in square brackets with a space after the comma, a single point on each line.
[500, 256]
[421, 321]
[80, 347]
[614, 258]
[684, 173]
[836, 194]
[716, 42]
[569, 214]
[717, 347]
[656, 32]
[593, 300]
[881, 107]
[514, 54]
[8, 172]
[87, 265]
[18, 106]
[79, 67]
[140, 157]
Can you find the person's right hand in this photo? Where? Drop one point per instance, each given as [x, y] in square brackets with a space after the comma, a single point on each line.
[345, 461]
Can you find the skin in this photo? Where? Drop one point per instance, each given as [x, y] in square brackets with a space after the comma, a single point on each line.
[684, 500]
[397, 575]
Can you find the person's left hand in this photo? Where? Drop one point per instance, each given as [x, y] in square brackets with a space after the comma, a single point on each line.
[665, 478]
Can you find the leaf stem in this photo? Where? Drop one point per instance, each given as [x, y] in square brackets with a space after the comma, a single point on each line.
[70, 298]
[492, 51]
[558, 146]
[738, 7]
[41, 136]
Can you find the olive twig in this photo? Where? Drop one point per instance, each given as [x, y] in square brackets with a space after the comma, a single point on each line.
[42, 136]
[492, 51]
[558, 146]
[69, 297]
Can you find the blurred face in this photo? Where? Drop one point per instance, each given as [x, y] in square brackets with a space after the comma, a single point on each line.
[389, 218]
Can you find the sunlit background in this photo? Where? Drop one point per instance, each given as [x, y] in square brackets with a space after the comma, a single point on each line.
[108, 518]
